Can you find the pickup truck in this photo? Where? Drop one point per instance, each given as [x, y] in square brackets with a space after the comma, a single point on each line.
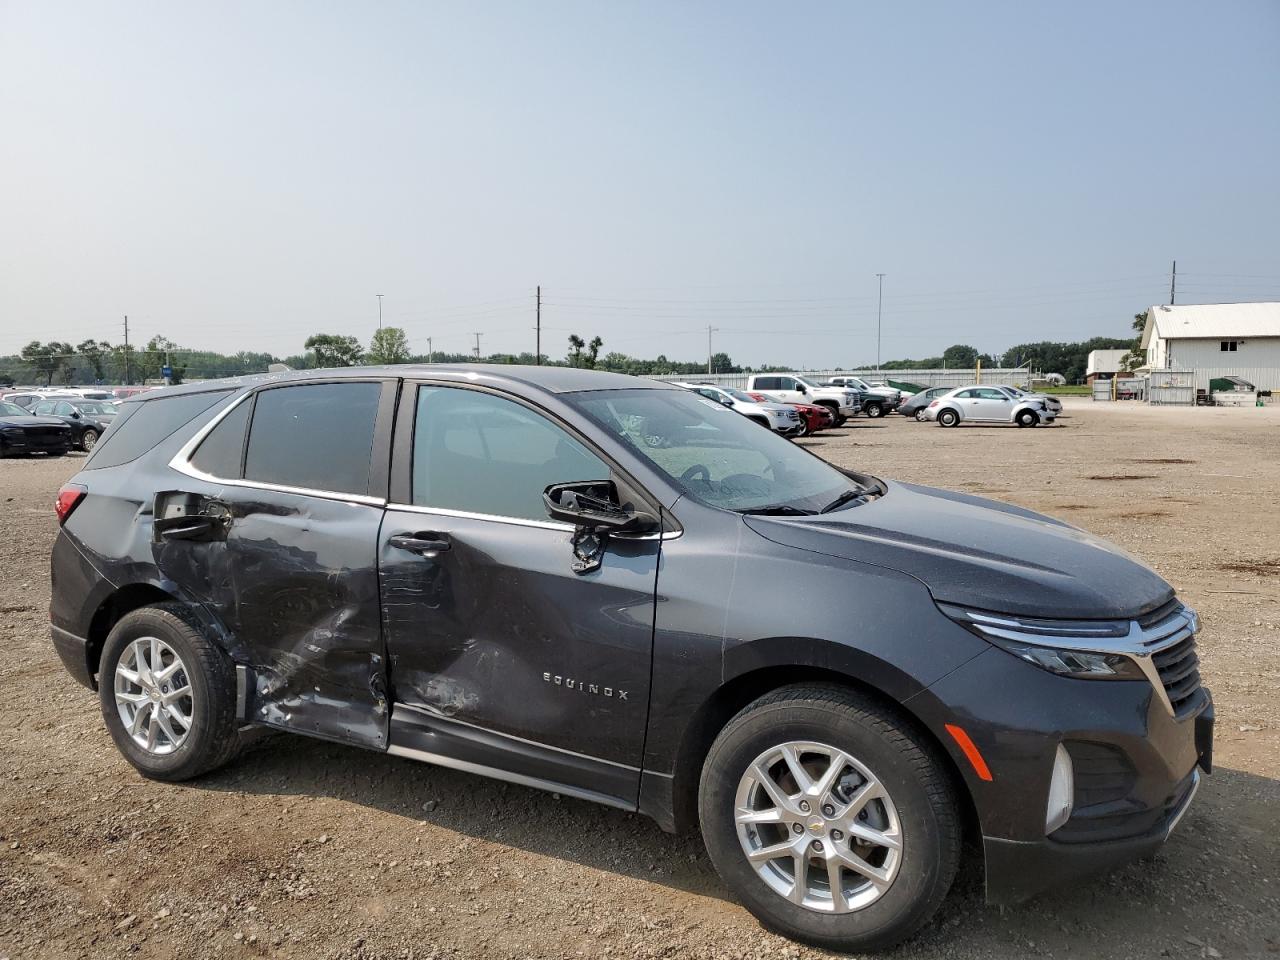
[876, 400]
[844, 402]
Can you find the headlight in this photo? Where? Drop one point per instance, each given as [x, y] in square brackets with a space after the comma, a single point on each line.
[1068, 648]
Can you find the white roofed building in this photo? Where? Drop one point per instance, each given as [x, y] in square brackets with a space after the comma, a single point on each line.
[1216, 340]
[1105, 364]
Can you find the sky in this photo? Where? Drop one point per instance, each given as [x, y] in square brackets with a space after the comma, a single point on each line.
[241, 175]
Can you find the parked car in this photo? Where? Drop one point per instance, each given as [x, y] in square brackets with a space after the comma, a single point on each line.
[915, 405]
[876, 401]
[983, 404]
[612, 588]
[793, 388]
[28, 398]
[1052, 403]
[21, 432]
[781, 417]
[88, 419]
[812, 417]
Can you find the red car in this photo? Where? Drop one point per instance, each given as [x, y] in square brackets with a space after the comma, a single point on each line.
[813, 418]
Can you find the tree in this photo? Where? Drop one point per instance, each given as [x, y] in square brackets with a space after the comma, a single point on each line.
[46, 359]
[156, 355]
[722, 363]
[576, 343]
[593, 351]
[959, 355]
[388, 345]
[334, 350]
[95, 354]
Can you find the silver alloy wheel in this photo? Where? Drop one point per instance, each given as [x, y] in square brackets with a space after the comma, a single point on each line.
[89, 440]
[818, 827]
[153, 695]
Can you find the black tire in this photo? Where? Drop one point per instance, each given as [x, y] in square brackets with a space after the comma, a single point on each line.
[1027, 418]
[874, 410]
[803, 430]
[948, 418]
[920, 417]
[907, 767]
[212, 739]
[840, 420]
[88, 439]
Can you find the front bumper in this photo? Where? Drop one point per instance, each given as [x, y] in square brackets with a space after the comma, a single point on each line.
[1136, 766]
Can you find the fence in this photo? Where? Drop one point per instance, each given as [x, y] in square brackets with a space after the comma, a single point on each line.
[961, 377]
[1172, 387]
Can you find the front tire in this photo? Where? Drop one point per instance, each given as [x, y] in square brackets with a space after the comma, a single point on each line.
[168, 694]
[88, 439]
[948, 418]
[1027, 418]
[875, 410]
[829, 818]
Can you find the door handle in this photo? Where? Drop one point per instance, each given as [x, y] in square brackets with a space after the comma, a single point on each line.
[423, 544]
[198, 527]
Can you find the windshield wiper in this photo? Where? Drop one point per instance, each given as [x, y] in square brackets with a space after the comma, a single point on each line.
[777, 510]
[844, 498]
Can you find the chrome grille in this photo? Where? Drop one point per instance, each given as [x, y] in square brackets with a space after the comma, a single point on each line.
[1169, 636]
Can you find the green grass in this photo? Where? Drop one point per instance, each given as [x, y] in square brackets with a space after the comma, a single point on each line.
[1070, 390]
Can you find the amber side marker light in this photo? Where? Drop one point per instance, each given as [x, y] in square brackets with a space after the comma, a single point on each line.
[69, 498]
[970, 750]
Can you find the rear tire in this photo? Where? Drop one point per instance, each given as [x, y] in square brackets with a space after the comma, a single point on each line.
[920, 417]
[149, 657]
[911, 805]
[948, 418]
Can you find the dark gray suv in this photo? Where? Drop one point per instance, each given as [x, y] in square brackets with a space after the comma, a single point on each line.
[622, 591]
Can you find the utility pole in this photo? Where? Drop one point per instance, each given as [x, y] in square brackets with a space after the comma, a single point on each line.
[879, 306]
[127, 379]
[428, 349]
[1173, 284]
[537, 348]
[379, 296]
[710, 330]
[477, 346]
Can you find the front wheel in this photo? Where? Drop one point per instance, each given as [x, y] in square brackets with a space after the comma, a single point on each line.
[875, 410]
[948, 418]
[88, 439]
[1027, 418]
[829, 818]
[168, 694]
[803, 429]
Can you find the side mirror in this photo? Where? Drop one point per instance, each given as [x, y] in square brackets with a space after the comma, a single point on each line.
[727, 401]
[593, 505]
[800, 387]
[75, 414]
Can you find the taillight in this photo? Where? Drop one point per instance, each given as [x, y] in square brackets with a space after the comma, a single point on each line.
[69, 498]
[934, 403]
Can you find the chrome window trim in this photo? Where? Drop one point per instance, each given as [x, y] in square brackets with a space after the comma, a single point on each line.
[181, 462]
[521, 521]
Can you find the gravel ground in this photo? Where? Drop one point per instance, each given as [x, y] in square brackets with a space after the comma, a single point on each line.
[306, 849]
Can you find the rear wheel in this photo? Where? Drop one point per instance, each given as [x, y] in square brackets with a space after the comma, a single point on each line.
[948, 418]
[829, 819]
[168, 694]
[1027, 418]
[920, 417]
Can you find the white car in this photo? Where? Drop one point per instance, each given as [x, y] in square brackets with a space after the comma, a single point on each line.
[986, 404]
[793, 388]
[779, 417]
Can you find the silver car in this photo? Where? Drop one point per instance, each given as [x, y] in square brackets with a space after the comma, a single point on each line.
[986, 404]
[779, 417]
[1053, 403]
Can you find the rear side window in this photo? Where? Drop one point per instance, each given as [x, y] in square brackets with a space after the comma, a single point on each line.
[144, 423]
[768, 383]
[221, 453]
[316, 436]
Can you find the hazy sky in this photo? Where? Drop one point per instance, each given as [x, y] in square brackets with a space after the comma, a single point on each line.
[237, 176]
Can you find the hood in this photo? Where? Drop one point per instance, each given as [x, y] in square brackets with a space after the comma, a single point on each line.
[980, 553]
[32, 421]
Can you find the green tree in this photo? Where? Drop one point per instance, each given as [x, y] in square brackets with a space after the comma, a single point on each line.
[95, 355]
[959, 355]
[576, 343]
[334, 350]
[47, 359]
[388, 345]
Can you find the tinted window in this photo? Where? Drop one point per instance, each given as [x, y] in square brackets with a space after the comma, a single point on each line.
[476, 452]
[712, 453]
[42, 409]
[8, 409]
[220, 453]
[318, 436]
[144, 423]
[64, 409]
[768, 383]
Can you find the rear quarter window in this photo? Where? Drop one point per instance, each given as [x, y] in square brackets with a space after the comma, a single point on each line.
[142, 424]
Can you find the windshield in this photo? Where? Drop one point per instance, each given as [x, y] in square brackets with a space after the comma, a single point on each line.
[712, 453]
[746, 397]
[807, 383]
[97, 407]
[8, 409]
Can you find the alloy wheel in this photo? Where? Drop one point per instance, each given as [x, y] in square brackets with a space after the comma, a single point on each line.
[818, 827]
[153, 695]
[89, 440]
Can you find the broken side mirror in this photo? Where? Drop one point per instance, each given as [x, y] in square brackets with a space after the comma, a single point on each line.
[592, 507]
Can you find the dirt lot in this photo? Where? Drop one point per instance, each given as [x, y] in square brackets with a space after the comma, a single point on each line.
[305, 849]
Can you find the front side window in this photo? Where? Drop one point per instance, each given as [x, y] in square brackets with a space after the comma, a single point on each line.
[42, 409]
[315, 436]
[480, 453]
[714, 454]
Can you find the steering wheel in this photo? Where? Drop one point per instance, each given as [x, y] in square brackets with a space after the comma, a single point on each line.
[697, 472]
